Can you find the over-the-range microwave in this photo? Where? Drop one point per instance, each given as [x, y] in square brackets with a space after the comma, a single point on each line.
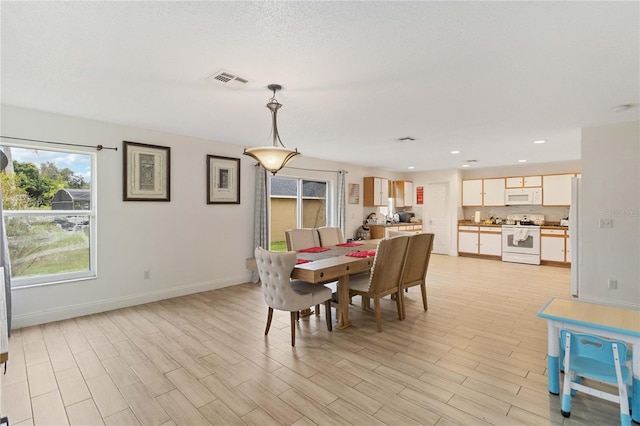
[522, 196]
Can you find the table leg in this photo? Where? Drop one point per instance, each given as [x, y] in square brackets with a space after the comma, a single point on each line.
[343, 302]
[553, 361]
[635, 389]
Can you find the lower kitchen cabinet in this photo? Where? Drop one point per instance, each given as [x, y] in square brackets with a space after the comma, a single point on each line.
[485, 241]
[555, 247]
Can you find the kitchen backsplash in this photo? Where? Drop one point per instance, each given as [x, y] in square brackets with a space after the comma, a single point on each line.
[551, 214]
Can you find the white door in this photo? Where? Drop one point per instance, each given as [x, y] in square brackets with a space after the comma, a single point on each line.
[437, 216]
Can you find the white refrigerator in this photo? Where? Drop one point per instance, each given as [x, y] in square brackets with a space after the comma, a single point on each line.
[574, 232]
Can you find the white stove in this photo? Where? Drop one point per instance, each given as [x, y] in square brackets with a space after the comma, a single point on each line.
[521, 238]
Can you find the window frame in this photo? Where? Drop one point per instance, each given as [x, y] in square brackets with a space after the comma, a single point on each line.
[91, 214]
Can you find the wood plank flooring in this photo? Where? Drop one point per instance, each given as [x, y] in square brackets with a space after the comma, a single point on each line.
[477, 356]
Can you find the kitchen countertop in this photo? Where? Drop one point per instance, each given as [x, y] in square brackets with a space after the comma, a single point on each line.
[393, 224]
[547, 225]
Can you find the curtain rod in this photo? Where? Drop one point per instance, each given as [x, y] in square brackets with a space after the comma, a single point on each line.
[311, 170]
[97, 147]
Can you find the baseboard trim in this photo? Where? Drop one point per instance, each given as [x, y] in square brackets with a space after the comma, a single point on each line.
[72, 311]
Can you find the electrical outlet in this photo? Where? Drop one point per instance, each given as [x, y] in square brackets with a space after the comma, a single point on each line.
[147, 274]
[612, 284]
[606, 222]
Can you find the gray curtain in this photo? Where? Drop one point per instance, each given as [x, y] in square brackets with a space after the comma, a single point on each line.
[341, 201]
[4, 261]
[261, 221]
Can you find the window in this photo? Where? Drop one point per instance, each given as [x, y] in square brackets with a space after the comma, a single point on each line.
[296, 203]
[49, 213]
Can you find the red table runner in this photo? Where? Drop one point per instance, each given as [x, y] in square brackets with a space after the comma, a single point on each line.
[366, 253]
[314, 249]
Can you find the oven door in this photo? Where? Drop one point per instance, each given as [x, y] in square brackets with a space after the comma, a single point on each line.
[529, 245]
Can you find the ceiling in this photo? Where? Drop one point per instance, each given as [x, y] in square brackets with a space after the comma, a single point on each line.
[484, 78]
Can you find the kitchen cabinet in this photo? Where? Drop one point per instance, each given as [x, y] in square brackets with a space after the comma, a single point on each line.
[554, 246]
[472, 192]
[493, 192]
[483, 192]
[468, 239]
[524, 182]
[490, 241]
[380, 231]
[480, 240]
[403, 193]
[376, 192]
[556, 190]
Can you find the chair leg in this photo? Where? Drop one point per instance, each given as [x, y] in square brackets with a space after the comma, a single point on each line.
[294, 316]
[327, 307]
[423, 287]
[269, 318]
[376, 306]
[399, 303]
[317, 310]
[565, 407]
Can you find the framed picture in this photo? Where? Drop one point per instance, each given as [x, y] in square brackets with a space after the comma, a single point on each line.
[223, 180]
[147, 172]
[354, 193]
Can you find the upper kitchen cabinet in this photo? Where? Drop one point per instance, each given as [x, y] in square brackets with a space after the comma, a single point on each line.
[483, 192]
[524, 182]
[376, 191]
[403, 193]
[472, 192]
[493, 194]
[556, 190]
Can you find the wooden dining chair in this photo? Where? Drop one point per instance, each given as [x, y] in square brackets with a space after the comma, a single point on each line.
[384, 278]
[414, 269]
[283, 293]
[301, 238]
[330, 236]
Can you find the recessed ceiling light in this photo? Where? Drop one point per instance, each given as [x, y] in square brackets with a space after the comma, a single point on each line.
[411, 167]
[455, 152]
[620, 108]
[465, 165]
[540, 141]
[522, 161]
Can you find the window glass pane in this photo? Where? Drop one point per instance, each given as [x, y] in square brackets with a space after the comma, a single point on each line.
[314, 207]
[284, 212]
[48, 214]
[45, 245]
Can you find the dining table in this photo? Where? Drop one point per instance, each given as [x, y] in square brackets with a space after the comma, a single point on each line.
[336, 263]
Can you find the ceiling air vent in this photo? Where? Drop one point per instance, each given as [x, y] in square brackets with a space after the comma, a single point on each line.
[406, 139]
[225, 78]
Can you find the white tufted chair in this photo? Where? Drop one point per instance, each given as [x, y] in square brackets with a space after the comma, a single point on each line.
[283, 293]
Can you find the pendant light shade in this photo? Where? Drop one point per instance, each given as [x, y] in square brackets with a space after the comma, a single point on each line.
[273, 158]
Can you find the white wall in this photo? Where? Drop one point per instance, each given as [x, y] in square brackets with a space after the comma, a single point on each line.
[187, 245]
[610, 188]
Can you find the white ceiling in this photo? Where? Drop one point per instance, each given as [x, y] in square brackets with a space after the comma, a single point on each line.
[485, 78]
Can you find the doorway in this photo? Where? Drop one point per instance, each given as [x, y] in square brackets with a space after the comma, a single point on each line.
[437, 216]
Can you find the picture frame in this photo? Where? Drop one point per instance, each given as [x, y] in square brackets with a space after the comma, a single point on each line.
[146, 172]
[223, 180]
[354, 193]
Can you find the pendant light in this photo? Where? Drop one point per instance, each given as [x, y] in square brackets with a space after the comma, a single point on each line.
[273, 158]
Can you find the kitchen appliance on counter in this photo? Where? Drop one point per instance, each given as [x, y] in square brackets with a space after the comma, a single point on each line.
[521, 238]
[522, 196]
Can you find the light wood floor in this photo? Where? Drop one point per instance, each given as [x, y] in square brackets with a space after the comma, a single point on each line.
[478, 356]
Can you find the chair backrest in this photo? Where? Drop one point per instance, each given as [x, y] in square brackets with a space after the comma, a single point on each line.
[330, 236]
[389, 233]
[417, 259]
[301, 238]
[593, 347]
[387, 264]
[275, 269]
